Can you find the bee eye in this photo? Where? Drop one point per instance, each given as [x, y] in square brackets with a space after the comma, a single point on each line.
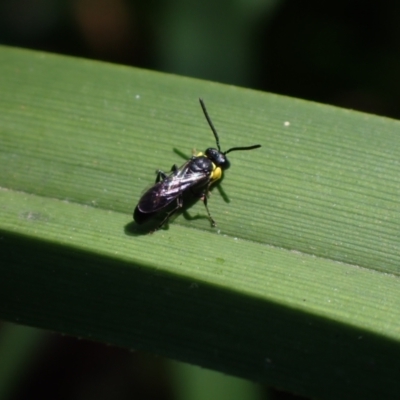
[218, 158]
[211, 154]
[226, 164]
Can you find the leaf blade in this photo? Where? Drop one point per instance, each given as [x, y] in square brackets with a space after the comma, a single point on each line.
[79, 143]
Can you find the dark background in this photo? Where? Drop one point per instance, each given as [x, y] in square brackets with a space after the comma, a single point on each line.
[342, 52]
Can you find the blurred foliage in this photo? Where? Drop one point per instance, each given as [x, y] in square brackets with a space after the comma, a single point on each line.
[329, 52]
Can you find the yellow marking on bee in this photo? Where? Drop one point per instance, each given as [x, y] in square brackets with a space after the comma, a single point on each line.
[216, 173]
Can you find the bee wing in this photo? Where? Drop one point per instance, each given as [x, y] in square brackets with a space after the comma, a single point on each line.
[164, 192]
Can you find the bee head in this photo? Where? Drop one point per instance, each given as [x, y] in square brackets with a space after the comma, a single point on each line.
[218, 158]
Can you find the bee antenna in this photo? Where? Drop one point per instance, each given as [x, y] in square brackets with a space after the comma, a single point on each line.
[256, 146]
[203, 106]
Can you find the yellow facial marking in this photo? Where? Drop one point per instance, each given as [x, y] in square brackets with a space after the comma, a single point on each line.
[216, 173]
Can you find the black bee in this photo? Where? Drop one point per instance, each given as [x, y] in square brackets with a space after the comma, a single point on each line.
[195, 176]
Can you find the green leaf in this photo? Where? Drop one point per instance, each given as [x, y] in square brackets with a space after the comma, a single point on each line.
[298, 285]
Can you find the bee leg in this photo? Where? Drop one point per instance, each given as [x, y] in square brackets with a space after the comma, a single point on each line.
[179, 204]
[203, 195]
[161, 175]
[204, 198]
